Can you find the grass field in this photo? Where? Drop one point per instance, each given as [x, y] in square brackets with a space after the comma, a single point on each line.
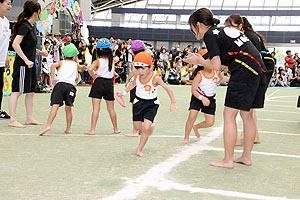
[104, 166]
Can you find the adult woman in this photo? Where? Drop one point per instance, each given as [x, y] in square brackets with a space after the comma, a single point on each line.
[5, 6]
[24, 75]
[230, 47]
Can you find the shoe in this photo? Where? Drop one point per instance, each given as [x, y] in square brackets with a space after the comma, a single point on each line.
[4, 115]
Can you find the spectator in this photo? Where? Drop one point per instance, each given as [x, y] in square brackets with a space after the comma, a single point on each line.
[289, 59]
[273, 56]
[295, 78]
[297, 61]
[174, 73]
[281, 79]
[195, 50]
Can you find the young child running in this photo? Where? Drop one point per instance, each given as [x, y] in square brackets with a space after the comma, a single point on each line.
[64, 86]
[102, 71]
[203, 98]
[145, 104]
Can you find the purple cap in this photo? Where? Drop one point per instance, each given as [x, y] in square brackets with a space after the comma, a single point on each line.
[137, 45]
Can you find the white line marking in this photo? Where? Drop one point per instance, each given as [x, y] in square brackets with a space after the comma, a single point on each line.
[256, 152]
[276, 133]
[138, 186]
[280, 105]
[282, 101]
[277, 111]
[277, 120]
[164, 185]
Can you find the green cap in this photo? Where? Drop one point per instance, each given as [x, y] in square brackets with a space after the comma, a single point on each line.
[70, 51]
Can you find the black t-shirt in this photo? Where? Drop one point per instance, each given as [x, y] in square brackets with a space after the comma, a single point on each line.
[29, 42]
[267, 58]
[235, 50]
[254, 39]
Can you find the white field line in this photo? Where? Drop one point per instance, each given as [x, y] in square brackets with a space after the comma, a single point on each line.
[164, 185]
[256, 152]
[139, 185]
[278, 111]
[282, 101]
[276, 133]
[277, 120]
[281, 106]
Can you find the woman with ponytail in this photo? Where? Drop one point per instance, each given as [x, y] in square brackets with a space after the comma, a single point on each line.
[230, 47]
[24, 74]
[5, 6]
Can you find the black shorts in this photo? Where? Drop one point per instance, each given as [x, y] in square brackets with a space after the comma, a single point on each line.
[24, 79]
[246, 93]
[63, 92]
[103, 88]
[196, 104]
[145, 109]
[132, 95]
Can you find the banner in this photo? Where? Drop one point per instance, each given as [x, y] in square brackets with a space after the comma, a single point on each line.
[7, 79]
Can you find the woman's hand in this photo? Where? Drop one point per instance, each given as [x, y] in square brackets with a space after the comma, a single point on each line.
[44, 53]
[194, 59]
[29, 63]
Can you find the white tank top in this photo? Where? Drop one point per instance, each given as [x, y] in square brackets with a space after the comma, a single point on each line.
[102, 69]
[207, 86]
[146, 90]
[67, 72]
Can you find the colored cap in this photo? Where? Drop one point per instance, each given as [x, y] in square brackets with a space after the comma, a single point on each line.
[203, 52]
[142, 59]
[70, 51]
[137, 45]
[103, 43]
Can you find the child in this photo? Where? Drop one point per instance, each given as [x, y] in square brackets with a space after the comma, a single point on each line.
[145, 104]
[64, 86]
[102, 71]
[203, 97]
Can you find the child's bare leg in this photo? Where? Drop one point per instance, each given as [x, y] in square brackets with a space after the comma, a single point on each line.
[249, 130]
[69, 117]
[29, 110]
[240, 139]
[189, 125]
[209, 122]
[144, 137]
[95, 116]
[12, 110]
[113, 115]
[230, 134]
[135, 132]
[52, 115]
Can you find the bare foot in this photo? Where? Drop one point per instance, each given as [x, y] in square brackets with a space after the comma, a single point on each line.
[46, 129]
[185, 141]
[243, 161]
[222, 164]
[117, 131]
[16, 124]
[239, 142]
[196, 132]
[132, 134]
[90, 133]
[139, 153]
[33, 122]
[68, 131]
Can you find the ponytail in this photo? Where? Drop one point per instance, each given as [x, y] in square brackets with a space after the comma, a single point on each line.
[248, 27]
[204, 16]
[20, 20]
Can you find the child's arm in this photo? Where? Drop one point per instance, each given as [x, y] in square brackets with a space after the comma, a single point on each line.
[159, 81]
[52, 72]
[128, 89]
[195, 92]
[80, 68]
[92, 68]
[223, 78]
[131, 74]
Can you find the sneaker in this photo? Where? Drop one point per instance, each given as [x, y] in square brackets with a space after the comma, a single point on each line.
[4, 115]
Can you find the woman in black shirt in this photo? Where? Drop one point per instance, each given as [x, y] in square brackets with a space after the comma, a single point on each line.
[230, 47]
[24, 74]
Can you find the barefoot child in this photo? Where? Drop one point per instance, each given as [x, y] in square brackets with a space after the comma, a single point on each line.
[145, 104]
[203, 97]
[102, 71]
[64, 86]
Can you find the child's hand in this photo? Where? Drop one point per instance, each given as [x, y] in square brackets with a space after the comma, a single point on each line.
[119, 94]
[205, 101]
[173, 107]
[54, 81]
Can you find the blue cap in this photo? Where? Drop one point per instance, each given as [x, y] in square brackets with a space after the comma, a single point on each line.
[103, 43]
